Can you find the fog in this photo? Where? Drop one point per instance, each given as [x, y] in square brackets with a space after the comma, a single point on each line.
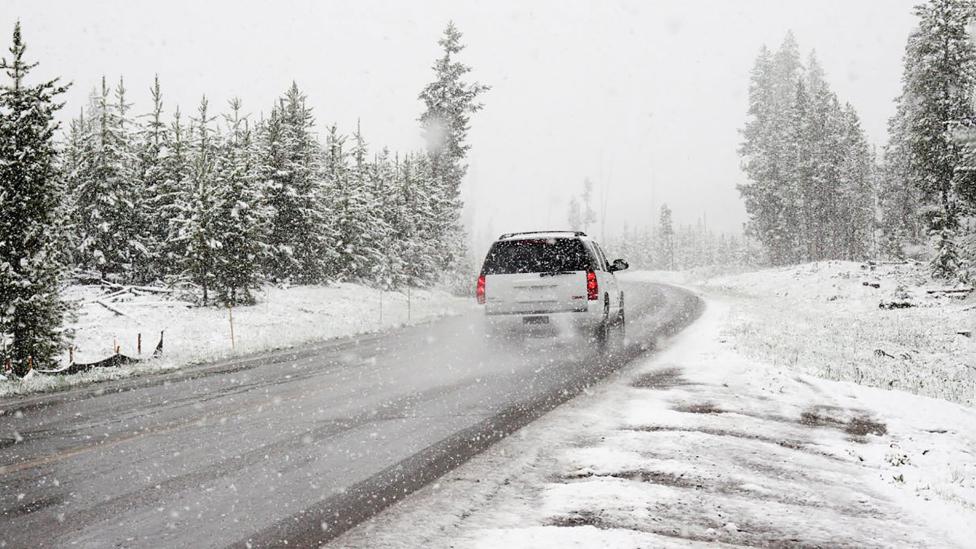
[645, 98]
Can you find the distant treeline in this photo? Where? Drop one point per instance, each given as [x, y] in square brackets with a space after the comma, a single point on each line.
[226, 202]
[667, 247]
[816, 190]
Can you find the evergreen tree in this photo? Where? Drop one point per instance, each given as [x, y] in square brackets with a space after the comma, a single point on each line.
[937, 86]
[240, 220]
[169, 201]
[361, 220]
[810, 194]
[155, 196]
[347, 207]
[450, 101]
[382, 191]
[900, 199]
[199, 208]
[300, 249]
[31, 309]
[107, 197]
[666, 239]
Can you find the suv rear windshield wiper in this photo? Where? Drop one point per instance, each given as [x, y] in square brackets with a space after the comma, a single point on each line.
[557, 273]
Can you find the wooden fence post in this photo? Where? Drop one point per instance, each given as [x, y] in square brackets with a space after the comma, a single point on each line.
[230, 316]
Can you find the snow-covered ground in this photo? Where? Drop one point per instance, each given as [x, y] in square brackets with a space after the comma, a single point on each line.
[283, 317]
[706, 442]
[825, 319]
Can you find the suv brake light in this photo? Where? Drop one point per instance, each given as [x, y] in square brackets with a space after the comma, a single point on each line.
[480, 291]
[592, 288]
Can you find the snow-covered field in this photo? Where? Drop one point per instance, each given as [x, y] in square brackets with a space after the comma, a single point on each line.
[702, 444]
[824, 319]
[283, 317]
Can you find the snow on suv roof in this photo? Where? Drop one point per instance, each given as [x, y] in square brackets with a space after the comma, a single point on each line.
[542, 235]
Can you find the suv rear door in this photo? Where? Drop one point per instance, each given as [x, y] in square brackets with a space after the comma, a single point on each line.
[536, 276]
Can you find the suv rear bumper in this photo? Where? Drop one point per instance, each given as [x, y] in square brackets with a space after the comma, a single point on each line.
[544, 323]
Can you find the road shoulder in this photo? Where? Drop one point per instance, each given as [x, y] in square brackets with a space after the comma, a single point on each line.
[701, 445]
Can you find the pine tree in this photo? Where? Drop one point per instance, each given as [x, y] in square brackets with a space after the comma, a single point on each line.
[666, 239]
[169, 201]
[382, 189]
[937, 83]
[107, 196]
[347, 208]
[300, 249]
[810, 194]
[240, 220]
[199, 209]
[450, 101]
[360, 221]
[31, 309]
[857, 195]
[156, 197]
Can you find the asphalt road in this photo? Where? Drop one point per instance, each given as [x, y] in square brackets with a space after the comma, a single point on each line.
[289, 447]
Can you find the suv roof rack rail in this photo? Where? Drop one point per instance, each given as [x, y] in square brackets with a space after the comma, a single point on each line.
[509, 235]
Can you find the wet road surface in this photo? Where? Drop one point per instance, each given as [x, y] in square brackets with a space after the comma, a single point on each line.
[288, 447]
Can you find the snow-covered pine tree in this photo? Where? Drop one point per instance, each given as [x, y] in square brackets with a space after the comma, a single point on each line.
[106, 194]
[810, 192]
[360, 221]
[300, 247]
[198, 209]
[665, 232]
[71, 167]
[156, 196]
[450, 101]
[900, 199]
[423, 263]
[937, 86]
[240, 221]
[31, 308]
[168, 202]
[347, 208]
[382, 191]
[766, 194]
[857, 197]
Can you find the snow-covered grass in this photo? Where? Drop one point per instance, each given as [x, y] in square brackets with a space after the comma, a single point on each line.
[701, 444]
[824, 319]
[283, 317]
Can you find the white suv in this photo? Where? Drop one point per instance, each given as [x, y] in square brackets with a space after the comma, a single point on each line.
[551, 281]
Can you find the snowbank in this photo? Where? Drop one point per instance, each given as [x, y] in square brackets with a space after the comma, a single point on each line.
[283, 317]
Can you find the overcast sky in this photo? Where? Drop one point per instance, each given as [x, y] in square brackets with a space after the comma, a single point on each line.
[644, 97]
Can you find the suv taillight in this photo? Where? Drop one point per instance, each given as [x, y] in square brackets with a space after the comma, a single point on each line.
[480, 291]
[592, 288]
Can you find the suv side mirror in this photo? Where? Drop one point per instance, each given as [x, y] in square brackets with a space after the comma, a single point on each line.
[619, 265]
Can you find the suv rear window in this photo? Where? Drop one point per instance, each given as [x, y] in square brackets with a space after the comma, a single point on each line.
[536, 256]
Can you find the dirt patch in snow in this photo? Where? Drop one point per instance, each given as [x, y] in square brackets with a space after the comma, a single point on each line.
[699, 408]
[859, 425]
[665, 378]
[792, 444]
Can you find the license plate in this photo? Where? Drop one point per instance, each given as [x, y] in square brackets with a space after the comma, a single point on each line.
[535, 319]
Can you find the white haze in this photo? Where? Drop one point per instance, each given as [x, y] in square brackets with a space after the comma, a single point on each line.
[645, 98]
